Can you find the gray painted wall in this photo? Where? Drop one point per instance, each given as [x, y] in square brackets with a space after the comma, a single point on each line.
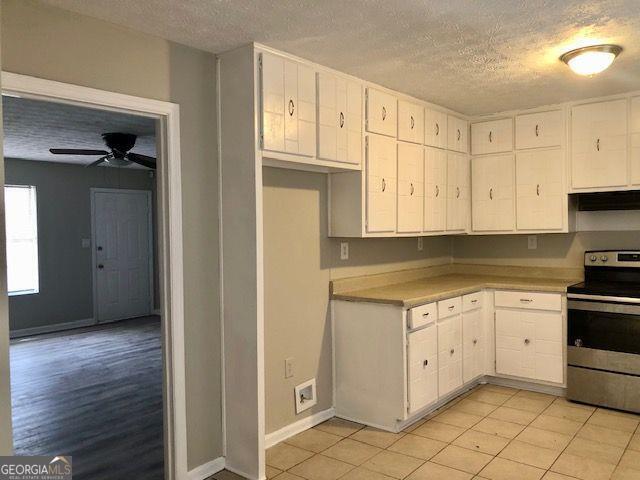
[51, 43]
[64, 219]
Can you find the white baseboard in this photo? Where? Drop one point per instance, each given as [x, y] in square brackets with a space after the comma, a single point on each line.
[58, 327]
[206, 470]
[558, 390]
[300, 426]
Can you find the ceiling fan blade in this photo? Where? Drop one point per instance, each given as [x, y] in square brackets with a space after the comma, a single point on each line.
[76, 151]
[99, 161]
[143, 160]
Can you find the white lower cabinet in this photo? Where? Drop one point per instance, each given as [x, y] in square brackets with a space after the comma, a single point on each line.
[529, 336]
[473, 344]
[422, 367]
[449, 354]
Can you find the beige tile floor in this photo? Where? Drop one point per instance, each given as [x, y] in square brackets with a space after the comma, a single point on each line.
[490, 432]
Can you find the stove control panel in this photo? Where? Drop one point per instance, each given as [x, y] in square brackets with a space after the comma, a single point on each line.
[612, 258]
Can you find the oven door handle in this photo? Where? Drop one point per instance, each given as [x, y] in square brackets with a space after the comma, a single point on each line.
[602, 298]
[597, 306]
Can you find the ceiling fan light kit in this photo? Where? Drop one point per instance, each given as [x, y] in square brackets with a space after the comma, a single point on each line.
[591, 60]
[119, 155]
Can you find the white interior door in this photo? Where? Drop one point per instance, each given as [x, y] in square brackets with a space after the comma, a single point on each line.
[122, 253]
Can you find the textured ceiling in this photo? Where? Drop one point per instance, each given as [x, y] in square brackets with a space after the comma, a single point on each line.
[32, 127]
[474, 56]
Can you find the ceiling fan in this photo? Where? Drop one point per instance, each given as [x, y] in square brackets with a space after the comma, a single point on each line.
[119, 156]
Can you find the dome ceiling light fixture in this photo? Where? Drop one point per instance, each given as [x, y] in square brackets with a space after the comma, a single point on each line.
[591, 60]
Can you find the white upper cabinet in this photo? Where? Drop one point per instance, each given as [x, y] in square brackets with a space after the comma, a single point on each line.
[635, 141]
[458, 134]
[492, 137]
[540, 195]
[435, 128]
[410, 122]
[381, 183]
[599, 145]
[435, 190]
[289, 106]
[458, 192]
[493, 193]
[535, 130]
[382, 115]
[410, 187]
[339, 119]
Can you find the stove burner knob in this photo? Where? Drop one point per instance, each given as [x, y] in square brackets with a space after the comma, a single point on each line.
[578, 342]
[604, 258]
[593, 258]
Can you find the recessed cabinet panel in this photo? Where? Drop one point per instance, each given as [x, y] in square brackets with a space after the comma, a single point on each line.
[599, 145]
[435, 128]
[381, 183]
[458, 134]
[492, 137]
[535, 130]
[635, 141]
[289, 106]
[422, 368]
[410, 187]
[435, 190]
[382, 115]
[449, 354]
[540, 198]
[410, 122]
[458, 192]
[493, 193]
[339, 119]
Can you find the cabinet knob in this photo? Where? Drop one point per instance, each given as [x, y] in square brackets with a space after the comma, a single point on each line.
[425, 363]
[452, 351]
[425, 314]
[538, 189]
[457, 192]
[475, 341]
[437, 191]
[459, 134]
[490, 136]
[475, 300]
[412, 189]
[451, 307]
[384, 113]
[598, 145]
[292, 107]
[437, 129]
[100, 266]
[527, 341]
[341, 119]
[491, 194]
[537, 130]
[384, 185]
[526, 300]
[412, 122]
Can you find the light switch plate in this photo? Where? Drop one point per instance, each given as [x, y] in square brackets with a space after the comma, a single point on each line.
[344, 250]
[288, 367]
[532, 242]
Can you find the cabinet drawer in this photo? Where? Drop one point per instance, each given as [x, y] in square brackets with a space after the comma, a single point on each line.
[529, 300]
[422, 315]
[382, 114]
[410, 122]
[536, 130]
[471, 301]
[492, 137]
[450, 307]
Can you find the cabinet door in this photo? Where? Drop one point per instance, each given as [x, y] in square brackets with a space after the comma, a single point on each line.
[599, 145]
[288, 106]
[435, 193]
[422, 366]
[449, 354]
[339, 119]
[635, 141]
[535, 130]
[458, 193]
[435, 128]
[458, 134]
[381, 183]
[381, 113]
[410, 187]
[472, 345]
[410, 122]
[529, 344]
[493, 193]
[540, 194]
[492, 137]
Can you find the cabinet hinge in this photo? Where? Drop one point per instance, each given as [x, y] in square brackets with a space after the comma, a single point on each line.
[260, 61]
[261, 141]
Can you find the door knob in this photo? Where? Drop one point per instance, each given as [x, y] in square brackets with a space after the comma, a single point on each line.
[452, 351]
[99, 248]
[425, 363]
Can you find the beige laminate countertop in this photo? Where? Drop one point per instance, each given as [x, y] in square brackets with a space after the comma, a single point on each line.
[425, 290]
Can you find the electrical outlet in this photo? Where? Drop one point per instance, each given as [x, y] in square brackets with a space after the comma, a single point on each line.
[420, 244]
[344, 250]
[532, 242]
[288, 367]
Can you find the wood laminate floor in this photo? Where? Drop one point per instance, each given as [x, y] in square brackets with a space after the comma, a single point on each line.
[95, 394]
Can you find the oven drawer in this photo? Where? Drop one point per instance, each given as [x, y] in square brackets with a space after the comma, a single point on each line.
[607, 389]
[530, 300]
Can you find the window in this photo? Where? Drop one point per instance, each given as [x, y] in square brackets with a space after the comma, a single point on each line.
[22, 239]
